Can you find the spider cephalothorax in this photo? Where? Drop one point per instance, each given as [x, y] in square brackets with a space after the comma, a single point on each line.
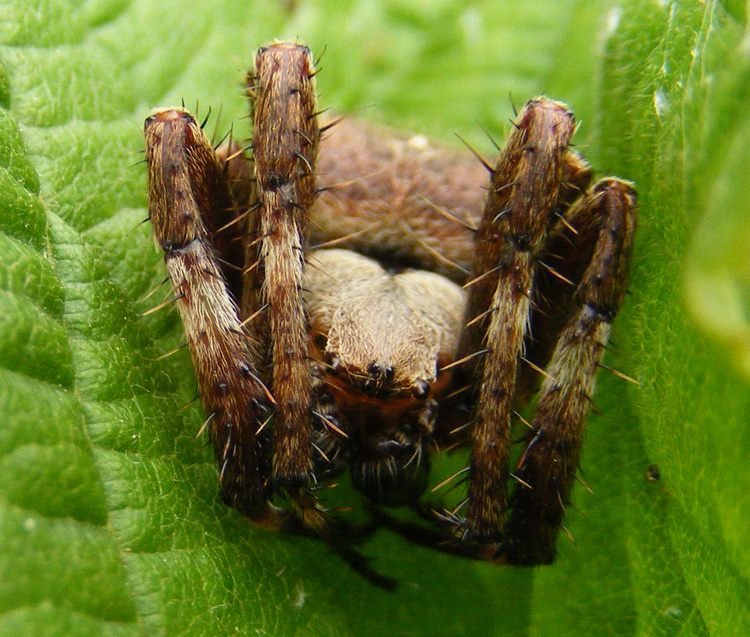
[423, 319]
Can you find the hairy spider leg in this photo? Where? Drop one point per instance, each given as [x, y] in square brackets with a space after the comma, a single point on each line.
[546, 470]
[285, 146]
[566, 253]
[188, 198]
[523, 197]
[286, 136]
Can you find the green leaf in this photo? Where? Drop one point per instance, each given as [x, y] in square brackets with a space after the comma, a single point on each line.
[109, 516]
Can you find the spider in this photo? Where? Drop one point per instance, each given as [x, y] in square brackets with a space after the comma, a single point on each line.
[422, 319]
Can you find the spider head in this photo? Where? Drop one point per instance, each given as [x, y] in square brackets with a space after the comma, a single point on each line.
[381, 337]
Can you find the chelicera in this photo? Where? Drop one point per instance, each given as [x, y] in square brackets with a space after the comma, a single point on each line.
[355, 300]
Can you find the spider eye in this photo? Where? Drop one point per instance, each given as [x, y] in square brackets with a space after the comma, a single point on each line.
[379, 371]
[374, 369]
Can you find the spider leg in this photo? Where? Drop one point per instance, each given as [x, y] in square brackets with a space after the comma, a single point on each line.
[523, 195]
[285, 146]
[566, 253]
[189, 200]
[429, 536]
[549, 462]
